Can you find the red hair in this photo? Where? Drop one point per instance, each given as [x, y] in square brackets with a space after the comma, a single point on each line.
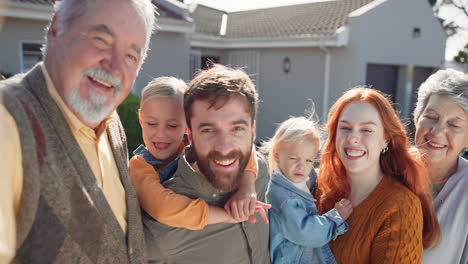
[397, 162]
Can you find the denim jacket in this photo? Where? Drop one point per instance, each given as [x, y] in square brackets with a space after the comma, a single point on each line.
[297, 233]
[166, 172]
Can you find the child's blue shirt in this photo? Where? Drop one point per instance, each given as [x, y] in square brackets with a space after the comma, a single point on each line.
[297, 233]
[166, 172]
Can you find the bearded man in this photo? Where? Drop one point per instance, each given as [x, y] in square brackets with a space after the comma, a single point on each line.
[220, 106]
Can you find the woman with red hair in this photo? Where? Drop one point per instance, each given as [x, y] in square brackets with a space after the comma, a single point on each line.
[367, 160]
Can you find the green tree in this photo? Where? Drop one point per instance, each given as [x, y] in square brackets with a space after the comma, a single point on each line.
[451, 26]
[462, 56]
[128, 112]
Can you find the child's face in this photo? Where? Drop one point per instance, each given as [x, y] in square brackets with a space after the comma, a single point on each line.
[296, 160]
[163, 123]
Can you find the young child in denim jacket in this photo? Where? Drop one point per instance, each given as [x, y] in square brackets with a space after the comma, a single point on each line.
[162, 119]
[297, 233]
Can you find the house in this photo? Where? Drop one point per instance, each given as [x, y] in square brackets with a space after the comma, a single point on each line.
[297, 53]
[318, 50]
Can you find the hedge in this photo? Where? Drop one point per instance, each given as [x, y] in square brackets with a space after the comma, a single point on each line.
[128, 112]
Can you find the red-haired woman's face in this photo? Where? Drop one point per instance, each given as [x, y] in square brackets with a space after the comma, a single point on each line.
[360, 138]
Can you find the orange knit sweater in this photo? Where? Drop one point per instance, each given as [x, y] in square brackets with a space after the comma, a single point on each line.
[385, 228]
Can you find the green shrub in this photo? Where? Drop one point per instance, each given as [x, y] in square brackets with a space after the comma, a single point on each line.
[5, 75]
[128, 112]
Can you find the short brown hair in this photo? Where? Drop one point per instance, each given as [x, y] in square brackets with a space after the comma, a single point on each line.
[217, 85]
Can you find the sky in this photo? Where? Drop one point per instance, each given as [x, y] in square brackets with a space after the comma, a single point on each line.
[454, 43]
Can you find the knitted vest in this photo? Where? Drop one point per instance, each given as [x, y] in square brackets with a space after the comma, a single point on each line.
[64, 216]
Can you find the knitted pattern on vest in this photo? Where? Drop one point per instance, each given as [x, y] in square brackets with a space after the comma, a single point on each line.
[64, 216]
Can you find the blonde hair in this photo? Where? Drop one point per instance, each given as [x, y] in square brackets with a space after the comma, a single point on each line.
[164, 87]
[291, 131]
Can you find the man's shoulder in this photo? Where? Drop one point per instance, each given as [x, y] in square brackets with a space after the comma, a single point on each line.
[180, 182]
[262, 164]
[17, 85]
[11, 84]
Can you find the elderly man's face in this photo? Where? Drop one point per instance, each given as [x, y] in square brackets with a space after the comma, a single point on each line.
[222, 141]
[94, 62]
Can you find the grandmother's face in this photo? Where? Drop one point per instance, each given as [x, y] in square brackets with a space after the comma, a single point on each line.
[442, 131]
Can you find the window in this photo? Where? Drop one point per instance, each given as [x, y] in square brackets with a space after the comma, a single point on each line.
[207, 61]
[248, 61]
[30, 55]
[195, 62]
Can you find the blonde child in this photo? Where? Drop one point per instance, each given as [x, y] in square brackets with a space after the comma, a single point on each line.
[297, 233]
[162, 119]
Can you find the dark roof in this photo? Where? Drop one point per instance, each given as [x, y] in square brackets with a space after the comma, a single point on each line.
[42, 2]
[301, 20]
[207, 20]
[168, 13]
[162, 10]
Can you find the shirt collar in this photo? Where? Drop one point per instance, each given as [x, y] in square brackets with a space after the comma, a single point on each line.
[72, 120]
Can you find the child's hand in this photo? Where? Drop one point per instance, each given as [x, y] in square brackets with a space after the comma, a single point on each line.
[243, 204]
[260, 208]
[344, 208]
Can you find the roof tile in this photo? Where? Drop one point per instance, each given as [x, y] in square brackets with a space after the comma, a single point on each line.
[301, 20]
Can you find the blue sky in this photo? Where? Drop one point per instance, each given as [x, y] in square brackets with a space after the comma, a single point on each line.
[454, 43]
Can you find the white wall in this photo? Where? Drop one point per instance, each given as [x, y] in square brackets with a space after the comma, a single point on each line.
[283, 95]
[169, 56]
[11, 34]
[384, 35]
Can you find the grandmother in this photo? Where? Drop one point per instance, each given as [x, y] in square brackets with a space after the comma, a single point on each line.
[441, 118]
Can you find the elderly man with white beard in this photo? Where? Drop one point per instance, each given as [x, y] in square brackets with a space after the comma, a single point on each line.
[65, 193]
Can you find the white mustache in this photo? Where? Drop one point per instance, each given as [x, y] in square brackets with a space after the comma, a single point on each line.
[100, 74]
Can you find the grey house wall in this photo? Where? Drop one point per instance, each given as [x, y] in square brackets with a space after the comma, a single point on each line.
[285, 94]
[11, 34]
[384, 35]
[169, 56]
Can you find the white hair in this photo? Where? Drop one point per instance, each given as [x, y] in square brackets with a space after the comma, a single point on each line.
[67, 11]
[292, 131]
[91, 110]
[164, 87]
[450, 83]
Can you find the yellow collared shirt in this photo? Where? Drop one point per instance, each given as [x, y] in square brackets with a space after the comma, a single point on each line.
[96, 148]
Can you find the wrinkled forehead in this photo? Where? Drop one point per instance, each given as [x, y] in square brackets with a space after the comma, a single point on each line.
[120, 17]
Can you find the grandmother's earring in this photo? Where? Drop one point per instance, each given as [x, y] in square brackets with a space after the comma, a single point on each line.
[384, 150]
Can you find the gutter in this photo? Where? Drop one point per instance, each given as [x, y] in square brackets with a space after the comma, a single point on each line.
[27, 11]
[40, 12]
[338, 39]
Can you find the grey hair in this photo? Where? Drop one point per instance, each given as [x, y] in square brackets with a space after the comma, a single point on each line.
[292, 130]
[450, 83]
[164, 87]
[67, 11]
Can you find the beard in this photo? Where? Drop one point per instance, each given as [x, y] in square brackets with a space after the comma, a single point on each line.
[93, 110]
[225, 181]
